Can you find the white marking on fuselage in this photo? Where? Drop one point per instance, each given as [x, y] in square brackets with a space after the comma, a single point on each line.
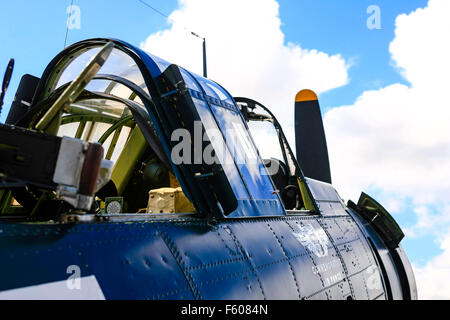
[315, 240]
[89, 290]
[373, 281]
[327, 266]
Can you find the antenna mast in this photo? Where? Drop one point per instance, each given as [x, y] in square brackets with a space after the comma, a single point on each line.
[205, 73]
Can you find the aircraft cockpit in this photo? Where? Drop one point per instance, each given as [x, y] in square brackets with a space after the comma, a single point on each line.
[111, 112]
[106, 108]
[115, 119]
[276, 154]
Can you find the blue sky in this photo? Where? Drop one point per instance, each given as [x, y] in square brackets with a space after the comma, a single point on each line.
[34, 32]
[340, 27]
[327, 25]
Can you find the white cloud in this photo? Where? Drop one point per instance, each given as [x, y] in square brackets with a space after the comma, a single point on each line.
[433, 280]
[420, 49]
[247, 53]
[397, 139]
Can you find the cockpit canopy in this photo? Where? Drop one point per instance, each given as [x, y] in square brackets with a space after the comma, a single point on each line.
[159, 124]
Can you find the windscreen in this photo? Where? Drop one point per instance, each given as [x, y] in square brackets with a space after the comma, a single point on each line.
[220, 108]
[118, 63]
[266, 139]
[89, 119]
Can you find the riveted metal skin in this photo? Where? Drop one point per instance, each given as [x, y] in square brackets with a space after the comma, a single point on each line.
[187, 258]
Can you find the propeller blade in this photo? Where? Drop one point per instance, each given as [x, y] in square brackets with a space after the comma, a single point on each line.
[6, 79]
[310, 141]
[8, 74]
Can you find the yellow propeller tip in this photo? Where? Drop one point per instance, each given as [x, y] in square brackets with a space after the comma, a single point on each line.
[305, 95]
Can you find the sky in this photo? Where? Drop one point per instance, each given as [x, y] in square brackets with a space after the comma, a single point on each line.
[381, 77]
